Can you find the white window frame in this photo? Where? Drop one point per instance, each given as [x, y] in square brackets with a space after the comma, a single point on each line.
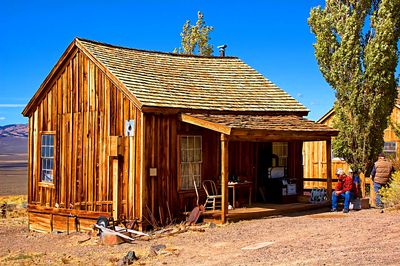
[190, 161]
[47, 145]
[390, 149]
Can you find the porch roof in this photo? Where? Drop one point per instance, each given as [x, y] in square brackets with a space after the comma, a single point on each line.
[249, 127]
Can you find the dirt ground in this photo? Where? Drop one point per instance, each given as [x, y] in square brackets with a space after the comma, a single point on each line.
[366, 237]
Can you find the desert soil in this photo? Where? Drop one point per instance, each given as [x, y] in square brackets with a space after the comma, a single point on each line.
[366, 237]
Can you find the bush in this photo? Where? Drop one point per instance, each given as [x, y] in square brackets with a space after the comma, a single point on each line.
[391, 194]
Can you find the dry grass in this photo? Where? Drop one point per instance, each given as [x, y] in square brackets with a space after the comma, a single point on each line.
[15, 205]
[17, 200]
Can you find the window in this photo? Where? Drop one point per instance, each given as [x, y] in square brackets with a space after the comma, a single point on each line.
[389, 149]
[190, 161]
[281, 150]
[47, 158]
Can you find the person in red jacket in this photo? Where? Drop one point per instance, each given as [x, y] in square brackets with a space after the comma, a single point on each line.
[343, 189]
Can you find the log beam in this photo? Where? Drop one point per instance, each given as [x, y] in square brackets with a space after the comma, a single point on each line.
[224, 176]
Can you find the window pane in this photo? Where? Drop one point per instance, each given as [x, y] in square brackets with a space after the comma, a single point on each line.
[197, 143]
[190, 156]
[47, 155]
[196, 169]
[190, 143]
[197, 155]
[183, 143]
[184, 156]
[281, 150]
[184, 170]
[190, 161]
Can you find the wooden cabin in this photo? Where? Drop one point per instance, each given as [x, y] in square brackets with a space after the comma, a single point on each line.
[314, 153]
[127, 133]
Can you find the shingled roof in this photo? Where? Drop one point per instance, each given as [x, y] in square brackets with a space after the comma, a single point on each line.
[266, 122]
[192, 82]
[288, 127]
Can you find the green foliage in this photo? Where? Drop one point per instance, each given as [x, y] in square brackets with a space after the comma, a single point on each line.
[196, 36]
[391, 193]
[359, 62]
[395, 127]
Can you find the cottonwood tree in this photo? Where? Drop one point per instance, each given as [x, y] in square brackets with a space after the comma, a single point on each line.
[196, 36]
[356, 49]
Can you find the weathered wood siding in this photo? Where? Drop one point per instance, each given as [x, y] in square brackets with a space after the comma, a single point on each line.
[390, 134]
[162, 133]
[83, 108]
[314, 159]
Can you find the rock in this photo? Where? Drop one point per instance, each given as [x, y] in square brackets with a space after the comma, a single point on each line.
[128, 259]
[212, 225]
[155, 249]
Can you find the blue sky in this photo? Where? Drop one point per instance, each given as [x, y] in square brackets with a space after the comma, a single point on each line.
[272, 36]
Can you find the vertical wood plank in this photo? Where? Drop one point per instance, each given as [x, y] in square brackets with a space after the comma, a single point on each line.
[106, 134]
[138, 163]
[79, 159]
[115, 176]
[143, 176]
[85, 142]
[329, 168]
[30, 164]
[89, 164]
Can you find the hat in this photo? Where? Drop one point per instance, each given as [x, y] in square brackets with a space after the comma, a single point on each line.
[381, 155]
[339, 171]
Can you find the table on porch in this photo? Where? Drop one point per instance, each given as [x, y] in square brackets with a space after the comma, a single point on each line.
[240, 185]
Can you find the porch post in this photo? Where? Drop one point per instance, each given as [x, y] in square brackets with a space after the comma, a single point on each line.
[329, 169]
[224, 176]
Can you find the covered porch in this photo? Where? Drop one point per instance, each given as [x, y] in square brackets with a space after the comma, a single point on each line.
[262, 130]
[262, 210]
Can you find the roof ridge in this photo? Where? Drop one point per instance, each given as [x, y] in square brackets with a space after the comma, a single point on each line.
[152, 51]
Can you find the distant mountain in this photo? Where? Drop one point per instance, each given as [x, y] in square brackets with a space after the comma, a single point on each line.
[15, 130]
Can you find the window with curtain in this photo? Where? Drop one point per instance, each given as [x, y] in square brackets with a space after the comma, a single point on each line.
[47, 158]
[190, 161]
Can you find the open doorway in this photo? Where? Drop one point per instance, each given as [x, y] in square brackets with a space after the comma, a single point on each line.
[272, 171]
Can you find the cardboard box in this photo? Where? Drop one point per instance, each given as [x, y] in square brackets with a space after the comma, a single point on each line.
[365, 203]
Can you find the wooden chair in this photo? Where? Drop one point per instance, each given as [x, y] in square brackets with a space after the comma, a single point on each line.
[213, 198]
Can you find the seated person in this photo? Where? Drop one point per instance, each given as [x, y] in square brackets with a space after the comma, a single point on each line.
[343, 189]
[356, 183]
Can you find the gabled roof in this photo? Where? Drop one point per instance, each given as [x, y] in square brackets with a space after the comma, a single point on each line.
[186, 82]
[332, 110]
[326, 116]
[192, 82]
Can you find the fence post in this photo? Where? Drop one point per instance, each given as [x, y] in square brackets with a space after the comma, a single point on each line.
[328, 169]
[362, 178]
[372, 195]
